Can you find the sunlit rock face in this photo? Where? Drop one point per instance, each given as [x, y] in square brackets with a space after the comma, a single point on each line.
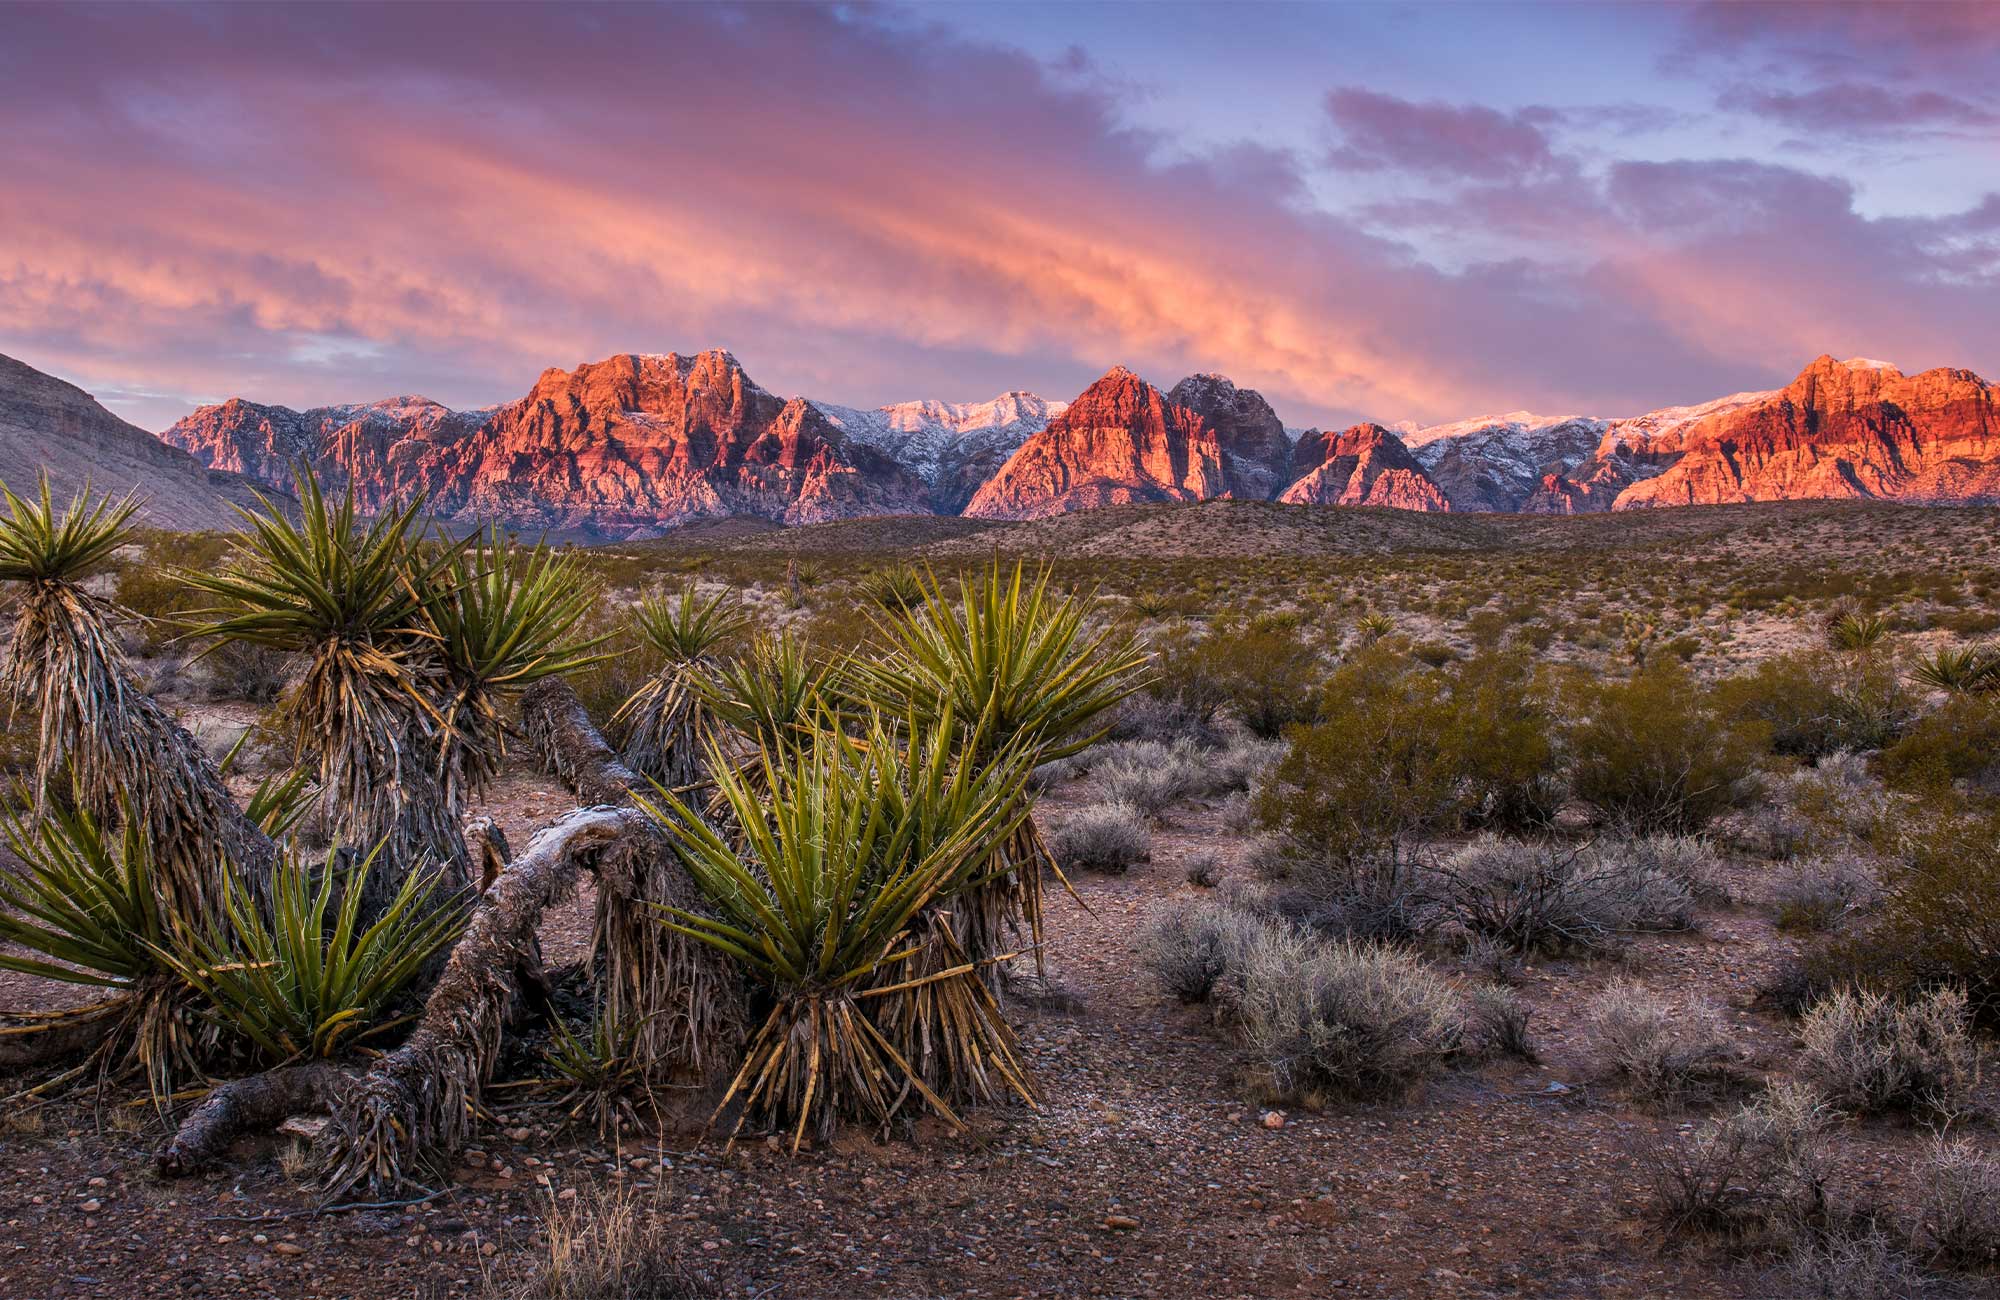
[1363, 466]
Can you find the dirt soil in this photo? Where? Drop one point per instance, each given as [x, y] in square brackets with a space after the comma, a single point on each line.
[1144, 1172]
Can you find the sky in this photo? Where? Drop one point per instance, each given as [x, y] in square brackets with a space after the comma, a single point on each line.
[1415, 211]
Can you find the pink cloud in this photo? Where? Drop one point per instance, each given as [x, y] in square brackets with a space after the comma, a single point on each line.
[311, 204]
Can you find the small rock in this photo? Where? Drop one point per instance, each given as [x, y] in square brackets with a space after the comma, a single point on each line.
[288, 1248]
[91, 1206]
[99, 1182]
[1120, 1222]
[1274, 1119]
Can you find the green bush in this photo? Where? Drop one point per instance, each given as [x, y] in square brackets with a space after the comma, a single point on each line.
[1818, 703]
[1957, 741]
[1408, 750]
[1263, 672]
[1654, 751]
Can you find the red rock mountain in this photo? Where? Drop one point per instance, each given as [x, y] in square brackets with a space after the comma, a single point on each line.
[623, 447]
[46, 424]
[1363, 466]
[1256, 451]
[1841, 429]
[1121, 441]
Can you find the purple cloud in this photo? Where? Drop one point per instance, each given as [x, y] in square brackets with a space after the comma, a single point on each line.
[1851, 107]
[1383, 133]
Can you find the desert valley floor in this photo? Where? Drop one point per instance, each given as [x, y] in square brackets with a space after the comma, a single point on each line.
[1153, 1165]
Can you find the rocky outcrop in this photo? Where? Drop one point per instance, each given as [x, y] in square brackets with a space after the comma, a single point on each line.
[624, 447]
[1363, 466]
[46, 424]
[1842, 429]
[1118, 443]
[1256, 452]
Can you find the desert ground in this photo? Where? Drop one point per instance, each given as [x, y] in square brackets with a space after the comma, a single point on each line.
[1538, 1146]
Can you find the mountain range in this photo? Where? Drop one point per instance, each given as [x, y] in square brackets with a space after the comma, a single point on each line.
[638, 444]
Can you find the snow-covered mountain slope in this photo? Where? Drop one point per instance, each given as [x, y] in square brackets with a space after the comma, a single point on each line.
[1495, 462]
[952, 446]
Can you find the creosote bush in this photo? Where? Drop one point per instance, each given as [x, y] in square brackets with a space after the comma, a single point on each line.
[1871, 1053]
[1654, 752]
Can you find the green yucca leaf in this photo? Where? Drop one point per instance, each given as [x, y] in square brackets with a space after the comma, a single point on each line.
[773, 695]
[1012, 660]
[87, 906]
[308, 979]
[688, 628]
[38, 545]
[1960, 669]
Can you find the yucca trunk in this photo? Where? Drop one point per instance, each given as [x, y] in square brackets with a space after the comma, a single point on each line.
[935, 1009]
[687, 997]
[125, 755]
[661, 729]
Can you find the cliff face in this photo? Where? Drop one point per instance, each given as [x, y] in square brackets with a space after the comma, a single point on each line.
[46, 424]
[1256, 453]
[1363, 466]
[1120, 442]
[1841, 429]
[621, 447]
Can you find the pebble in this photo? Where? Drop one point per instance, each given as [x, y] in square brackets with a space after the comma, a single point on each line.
[288, 1248]
[1120, 1222]
[91, 1206]
[1274, 1119]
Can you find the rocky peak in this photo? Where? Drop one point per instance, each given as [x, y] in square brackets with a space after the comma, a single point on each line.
[1256, 452]
[1365, 465]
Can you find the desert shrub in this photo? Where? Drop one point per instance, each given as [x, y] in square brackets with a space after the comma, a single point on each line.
[1538, 897]
[238, 670]
[1873, 1053]
[1241, 765]
[1766, 1162]
[1818, 703]
[1818, 894]
[1149, 775]
[1263, 673]
[1689, 861]
[1192, 947]
[1163, 719]
[1939, 918]
[1666, 1053]
[1383, 897]
[1102, 837]
[1343, 1020]
[161, 599]
[1204, 868]
[1863, 1264]
[1958, 741]
[1654, 753]
[1819, 809]
[1958, 1202]
[1496, 1023]
[1406, 750]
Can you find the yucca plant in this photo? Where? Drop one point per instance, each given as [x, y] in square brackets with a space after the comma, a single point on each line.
[503, 618]
[1009, 664]
[350, 598]
[773, 696]
[312, 978]
[1855, 630]
[124, 754]
[1373, 626]
[662, 728]
[1960, 669]
[601, 1073]
[859, 836]
[90, 910]
[892, 590]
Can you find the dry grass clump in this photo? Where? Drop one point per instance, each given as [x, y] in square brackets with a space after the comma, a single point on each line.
[1109, 837]
[1343, 1020]
[1958, 1202]
[1667, 1053]
[1192, 947]
[1868, 1264]
[1496, 1023]
[1819, 894]
[606, 1246]
[1873, 1053]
